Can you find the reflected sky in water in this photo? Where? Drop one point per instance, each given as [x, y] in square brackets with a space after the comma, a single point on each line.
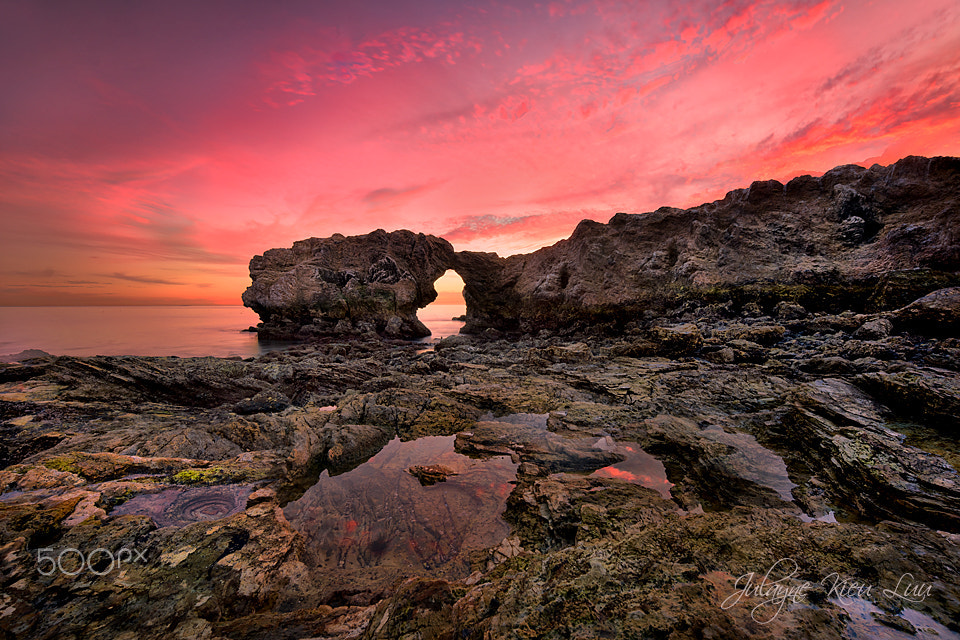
[143, 331]
[376, 522]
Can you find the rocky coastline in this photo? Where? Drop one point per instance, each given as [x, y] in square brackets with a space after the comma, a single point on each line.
[733, 421]
[853, 239]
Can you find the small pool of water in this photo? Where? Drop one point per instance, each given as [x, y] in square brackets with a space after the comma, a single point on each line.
[181, 506]
[376, 523]
[637, 467]
[929, 439]
[829, 517]
[538, 420]
[864, 626]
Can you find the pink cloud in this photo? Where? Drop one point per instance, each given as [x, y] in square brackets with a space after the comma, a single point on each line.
[506, 235]
[335, 60]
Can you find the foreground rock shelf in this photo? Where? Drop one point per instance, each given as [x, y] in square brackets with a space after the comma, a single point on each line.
[809, 442]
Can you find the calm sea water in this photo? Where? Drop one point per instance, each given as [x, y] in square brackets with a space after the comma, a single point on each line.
[439, 319]
[156, 331]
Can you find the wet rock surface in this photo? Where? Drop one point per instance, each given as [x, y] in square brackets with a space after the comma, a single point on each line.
[591, 486]
[430, 474]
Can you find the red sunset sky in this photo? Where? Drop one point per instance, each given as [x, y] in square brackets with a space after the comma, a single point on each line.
[149, 149]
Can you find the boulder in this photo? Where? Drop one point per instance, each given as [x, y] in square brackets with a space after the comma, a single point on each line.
[747, 351]
[267, 401]
[936, 313]
[874, 329]
[766, 335]
[347, 284]
[789, 311]
[349, 444]
[677, 340]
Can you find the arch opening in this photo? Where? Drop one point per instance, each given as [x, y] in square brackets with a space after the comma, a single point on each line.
[445, 315]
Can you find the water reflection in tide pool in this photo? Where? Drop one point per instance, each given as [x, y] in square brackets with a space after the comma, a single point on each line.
[376, 523]
[864, 625]
[637, 467]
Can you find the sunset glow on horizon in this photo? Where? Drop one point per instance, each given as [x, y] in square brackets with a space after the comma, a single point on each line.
[149, 150]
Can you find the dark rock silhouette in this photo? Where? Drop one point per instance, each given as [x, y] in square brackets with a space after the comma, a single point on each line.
[862, 239]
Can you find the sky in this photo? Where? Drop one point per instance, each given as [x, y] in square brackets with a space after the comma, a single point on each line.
[149, 149]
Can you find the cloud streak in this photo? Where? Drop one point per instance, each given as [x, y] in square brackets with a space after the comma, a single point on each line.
[332, 59]
[140, 279]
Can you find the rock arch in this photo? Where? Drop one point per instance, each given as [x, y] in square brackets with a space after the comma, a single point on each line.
[769, 243]
[372, 283]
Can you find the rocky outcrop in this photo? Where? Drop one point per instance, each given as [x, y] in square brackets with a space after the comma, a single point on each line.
[862, 239]
[936, 313]
[340, 285]
[541, 486]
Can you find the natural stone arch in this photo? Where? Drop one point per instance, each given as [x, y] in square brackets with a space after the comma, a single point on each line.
[373, 283]
[764, 245]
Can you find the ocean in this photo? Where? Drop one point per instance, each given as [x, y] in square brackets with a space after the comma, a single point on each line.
[158, 331]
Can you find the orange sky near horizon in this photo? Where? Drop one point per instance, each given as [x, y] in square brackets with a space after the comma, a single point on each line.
[148, 150]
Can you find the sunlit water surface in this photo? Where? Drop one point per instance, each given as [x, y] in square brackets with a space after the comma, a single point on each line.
[158, 331]
[143, 331]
